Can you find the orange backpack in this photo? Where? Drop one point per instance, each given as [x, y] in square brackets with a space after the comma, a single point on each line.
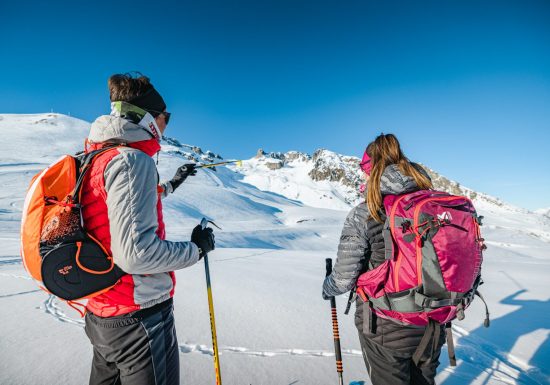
[56, 249]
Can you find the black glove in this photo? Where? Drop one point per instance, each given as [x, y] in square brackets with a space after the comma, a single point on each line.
[182, 174]
[204, 239]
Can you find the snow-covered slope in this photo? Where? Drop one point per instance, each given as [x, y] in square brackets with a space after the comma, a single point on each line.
[281, 215]
[326, 180]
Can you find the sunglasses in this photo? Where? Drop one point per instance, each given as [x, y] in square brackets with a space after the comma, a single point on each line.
[166, 116]
[165, 113]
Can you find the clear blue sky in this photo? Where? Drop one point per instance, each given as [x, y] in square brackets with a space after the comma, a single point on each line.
[464, 84]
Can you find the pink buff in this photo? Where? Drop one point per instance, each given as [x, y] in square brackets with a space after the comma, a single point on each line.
[366, 164]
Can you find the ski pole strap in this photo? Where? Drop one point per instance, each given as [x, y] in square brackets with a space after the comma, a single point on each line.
[487, 321]
[432, 333]
[450, 344]
[351, 298]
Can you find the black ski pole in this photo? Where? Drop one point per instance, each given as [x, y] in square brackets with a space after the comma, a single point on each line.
[335, 332]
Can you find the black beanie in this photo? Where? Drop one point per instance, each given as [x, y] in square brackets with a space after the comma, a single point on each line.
[150, 101]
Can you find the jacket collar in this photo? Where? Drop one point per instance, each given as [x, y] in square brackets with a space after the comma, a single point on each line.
[127, 125]
[394, 182]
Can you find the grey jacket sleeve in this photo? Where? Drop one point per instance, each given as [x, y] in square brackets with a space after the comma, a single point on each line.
[166, 189]
[352, 252]
[131, 186]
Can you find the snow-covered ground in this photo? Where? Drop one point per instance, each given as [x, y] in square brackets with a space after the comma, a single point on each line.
[273, 326]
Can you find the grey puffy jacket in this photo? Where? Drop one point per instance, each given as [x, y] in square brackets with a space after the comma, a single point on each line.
[354, 252]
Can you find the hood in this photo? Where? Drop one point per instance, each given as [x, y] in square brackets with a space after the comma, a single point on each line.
[126, 124]
[394, 182]
[109, 128]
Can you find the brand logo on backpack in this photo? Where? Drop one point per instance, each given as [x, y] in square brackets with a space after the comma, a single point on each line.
[65, 270]
[445, 217]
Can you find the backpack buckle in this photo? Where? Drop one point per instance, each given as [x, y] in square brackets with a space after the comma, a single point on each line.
[460, 312]
[406, 226]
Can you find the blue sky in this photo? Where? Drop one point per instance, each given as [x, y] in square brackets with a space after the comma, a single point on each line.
[465, 85]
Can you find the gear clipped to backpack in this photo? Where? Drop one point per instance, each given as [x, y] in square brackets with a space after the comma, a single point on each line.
[56, 249]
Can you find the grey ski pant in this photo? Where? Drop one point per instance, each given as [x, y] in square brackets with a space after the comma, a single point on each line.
[388, 348]
[138, 348]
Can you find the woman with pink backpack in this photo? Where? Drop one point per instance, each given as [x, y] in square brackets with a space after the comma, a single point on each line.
[396, 350]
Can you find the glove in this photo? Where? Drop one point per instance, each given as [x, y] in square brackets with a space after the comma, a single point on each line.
[204, 239]
[181, 175]
[325, 295]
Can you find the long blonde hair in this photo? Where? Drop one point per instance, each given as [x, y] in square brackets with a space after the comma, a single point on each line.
[384, 151]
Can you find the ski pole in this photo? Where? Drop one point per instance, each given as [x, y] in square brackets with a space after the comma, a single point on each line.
[238, 162]
[204, 223]
[335, 332]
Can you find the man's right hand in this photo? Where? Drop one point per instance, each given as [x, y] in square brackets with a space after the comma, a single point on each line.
[181, 175]
[204, 239]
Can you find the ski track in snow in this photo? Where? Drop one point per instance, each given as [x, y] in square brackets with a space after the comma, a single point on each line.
[474, 351]
[50, 307]
[20, 293]
[489, 359]
[12, 261]
[15, 276]
[204, 349]
[214, 178]
[244, 256]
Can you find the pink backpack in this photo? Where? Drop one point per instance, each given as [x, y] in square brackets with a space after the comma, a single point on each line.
[433, 259]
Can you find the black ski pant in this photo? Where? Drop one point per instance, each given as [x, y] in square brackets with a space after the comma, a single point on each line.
[388, 349]
[138, 348]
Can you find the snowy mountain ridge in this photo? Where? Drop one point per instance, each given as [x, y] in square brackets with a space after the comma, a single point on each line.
[338, 179]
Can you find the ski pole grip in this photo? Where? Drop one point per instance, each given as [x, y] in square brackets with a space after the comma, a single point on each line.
[328, 262]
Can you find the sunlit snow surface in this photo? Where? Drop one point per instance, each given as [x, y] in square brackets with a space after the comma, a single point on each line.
[273, 326]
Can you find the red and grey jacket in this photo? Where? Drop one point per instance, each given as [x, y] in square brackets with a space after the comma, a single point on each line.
[122, 208]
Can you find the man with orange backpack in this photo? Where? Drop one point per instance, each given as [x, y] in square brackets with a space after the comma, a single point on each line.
[131, 325]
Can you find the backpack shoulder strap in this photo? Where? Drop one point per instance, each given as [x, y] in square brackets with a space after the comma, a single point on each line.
[85, 163]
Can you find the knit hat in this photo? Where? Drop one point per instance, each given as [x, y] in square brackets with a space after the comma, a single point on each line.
[150, 101]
